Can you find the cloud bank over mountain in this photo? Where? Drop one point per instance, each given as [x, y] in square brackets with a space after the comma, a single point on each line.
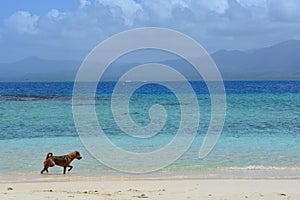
[216, 24]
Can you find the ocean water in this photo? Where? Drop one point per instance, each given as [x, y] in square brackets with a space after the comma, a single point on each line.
[261, 131]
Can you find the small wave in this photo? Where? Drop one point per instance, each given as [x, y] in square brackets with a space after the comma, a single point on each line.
[174, 104]
[263, 167]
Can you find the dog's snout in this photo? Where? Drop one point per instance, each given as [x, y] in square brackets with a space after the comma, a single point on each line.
[79, 158]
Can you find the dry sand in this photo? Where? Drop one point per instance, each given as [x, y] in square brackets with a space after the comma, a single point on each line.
[153, 189]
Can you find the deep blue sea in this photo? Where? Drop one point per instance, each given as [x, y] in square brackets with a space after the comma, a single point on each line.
[261, 131]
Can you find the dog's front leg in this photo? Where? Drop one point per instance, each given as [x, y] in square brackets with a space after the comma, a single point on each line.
[45, 169]
[65, 170]
[70, 167]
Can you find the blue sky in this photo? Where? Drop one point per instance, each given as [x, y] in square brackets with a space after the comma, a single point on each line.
[56, 29]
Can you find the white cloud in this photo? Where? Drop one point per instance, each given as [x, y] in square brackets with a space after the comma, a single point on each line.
[125, 8]
[84, 3]
[229, 24]
[23, 22]
[218, 6]
[55, 14]
[252, 2]
[284, 10]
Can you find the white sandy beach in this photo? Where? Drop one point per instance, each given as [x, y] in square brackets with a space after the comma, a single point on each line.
[154, 189]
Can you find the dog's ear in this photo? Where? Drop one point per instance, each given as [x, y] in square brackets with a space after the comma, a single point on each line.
[77, 153]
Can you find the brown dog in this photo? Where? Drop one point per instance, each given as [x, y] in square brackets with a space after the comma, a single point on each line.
[63, 161]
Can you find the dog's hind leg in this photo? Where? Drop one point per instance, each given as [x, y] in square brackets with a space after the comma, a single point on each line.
[70, 168]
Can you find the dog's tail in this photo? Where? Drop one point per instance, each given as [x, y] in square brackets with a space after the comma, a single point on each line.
[50, 154]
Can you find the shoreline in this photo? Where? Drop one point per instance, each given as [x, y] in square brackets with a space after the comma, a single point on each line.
[236, 174]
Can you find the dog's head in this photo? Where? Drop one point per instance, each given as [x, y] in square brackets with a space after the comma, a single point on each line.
[77, 155]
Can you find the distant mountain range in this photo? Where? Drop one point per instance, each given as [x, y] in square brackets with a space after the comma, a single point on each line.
[278, 62]
[37, 69]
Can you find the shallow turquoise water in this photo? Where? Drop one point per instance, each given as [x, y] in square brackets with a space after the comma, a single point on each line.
[262, 130]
